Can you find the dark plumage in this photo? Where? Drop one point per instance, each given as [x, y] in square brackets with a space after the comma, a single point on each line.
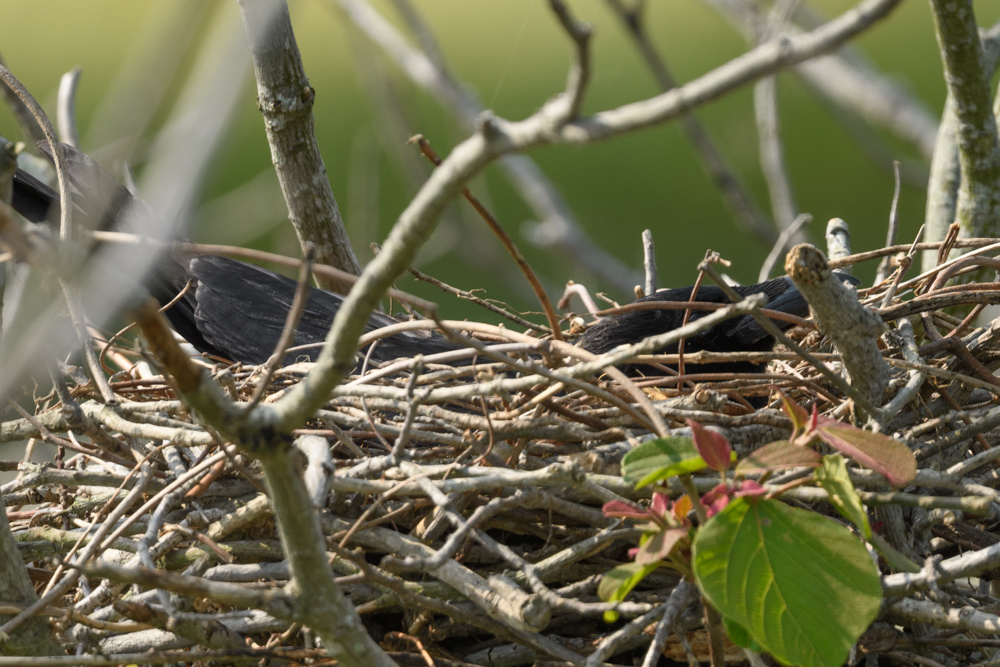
[237, 311]
[739, 334]
[232, 309]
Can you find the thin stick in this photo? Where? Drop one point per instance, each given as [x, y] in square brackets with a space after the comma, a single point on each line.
[781, 244]
[508, 242]
[649, 261]
[890, 235]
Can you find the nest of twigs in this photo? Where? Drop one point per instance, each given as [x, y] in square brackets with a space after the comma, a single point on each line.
[461, 505]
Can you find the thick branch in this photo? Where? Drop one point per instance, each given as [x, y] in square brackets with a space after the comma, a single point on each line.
[969, 88]
[286, 100]
[852, 328]
[35, 636]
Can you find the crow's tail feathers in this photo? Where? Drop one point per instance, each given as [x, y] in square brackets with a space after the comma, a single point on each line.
[228, 308]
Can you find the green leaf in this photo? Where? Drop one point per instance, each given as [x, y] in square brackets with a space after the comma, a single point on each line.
[795, 412]
[778, 455]
[619, 582]
[740, 635]
[801, 584]
[833, 477]
[659, 459]
[883, 454]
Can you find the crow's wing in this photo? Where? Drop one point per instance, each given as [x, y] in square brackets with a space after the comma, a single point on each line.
[240, 309]
[782, 296]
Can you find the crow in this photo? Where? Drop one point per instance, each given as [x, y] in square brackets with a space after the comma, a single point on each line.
[229, 309]
[738, 334]
[236, 310]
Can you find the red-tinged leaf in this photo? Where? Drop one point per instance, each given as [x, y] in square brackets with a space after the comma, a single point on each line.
[778, 455]
[716, 500]
[712, 446]
[883, 454]
[795, 412]
[624, 510]
[813, 419]
[659, 545]
[749, 488]
[660, 505]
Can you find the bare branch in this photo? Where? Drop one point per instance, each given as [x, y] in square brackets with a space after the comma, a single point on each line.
[285, 99]
[784, 240]
[852, 328]
[497, 137]
[765, 102]
[849, 81]
[978, 144]
[557, 227]
[579, 72]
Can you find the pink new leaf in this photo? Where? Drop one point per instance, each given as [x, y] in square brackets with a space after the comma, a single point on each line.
[749, 488]
[659, 545]
[618, 508]
[712, 446]
[660, 505]
[716, 500]
[886, 456]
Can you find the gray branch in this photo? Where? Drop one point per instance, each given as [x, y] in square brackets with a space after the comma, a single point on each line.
[967, 77]
[285, 99]
[838, 314]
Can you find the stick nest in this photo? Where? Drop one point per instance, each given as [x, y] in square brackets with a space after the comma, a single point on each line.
[463, 514]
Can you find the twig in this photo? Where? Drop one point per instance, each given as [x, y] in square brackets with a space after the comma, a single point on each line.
[463, 294]
[838, 239]
[849, 81]
[579, 73]
[649, 262]
[66, 115]
[765, 96]
[779, 247]
[508, 243]
[671, 612]
[277, 358]
[893, 229]
[769, 326]
[737, 198]
[557, 228]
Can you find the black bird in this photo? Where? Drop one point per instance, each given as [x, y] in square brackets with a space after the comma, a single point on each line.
[739, 334]
[237, 310]
[231, 309]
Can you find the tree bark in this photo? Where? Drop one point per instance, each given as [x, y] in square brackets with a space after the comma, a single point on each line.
[285, 99]
[35, 636]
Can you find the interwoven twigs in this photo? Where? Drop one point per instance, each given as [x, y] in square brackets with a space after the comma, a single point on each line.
[502, 470]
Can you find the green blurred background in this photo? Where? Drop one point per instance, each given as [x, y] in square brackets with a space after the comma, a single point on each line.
[514, 56]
